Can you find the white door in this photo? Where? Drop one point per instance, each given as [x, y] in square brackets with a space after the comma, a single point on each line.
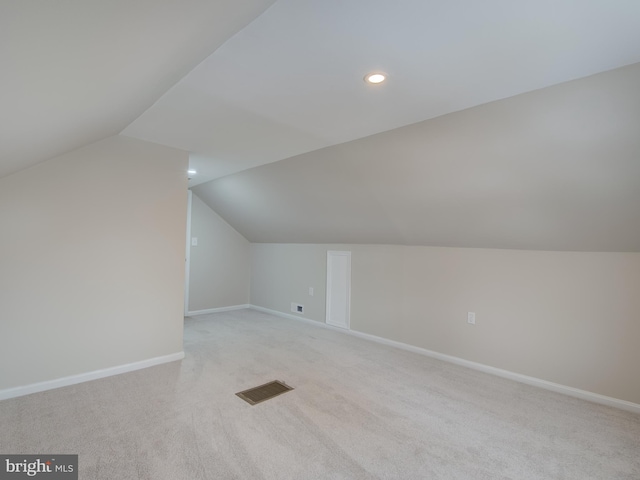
[338, 288]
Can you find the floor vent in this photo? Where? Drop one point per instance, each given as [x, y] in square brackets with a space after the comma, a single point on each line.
[264, 392]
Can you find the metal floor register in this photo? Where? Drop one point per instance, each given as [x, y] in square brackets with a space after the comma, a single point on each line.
[264, 392]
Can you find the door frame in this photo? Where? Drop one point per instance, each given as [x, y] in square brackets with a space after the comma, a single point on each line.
[187, 265]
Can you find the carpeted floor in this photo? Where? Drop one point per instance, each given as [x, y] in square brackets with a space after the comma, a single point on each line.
[359, 410]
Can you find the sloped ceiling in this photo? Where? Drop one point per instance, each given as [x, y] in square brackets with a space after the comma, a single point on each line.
[496, 127]
[76, 71]
[292, 81]
[553, 169]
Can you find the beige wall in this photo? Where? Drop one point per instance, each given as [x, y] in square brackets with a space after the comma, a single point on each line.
[92, 260]
[281, 274]
[219, 264]
[566, 317]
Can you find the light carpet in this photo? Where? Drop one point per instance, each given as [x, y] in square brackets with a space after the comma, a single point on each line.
[359, 410]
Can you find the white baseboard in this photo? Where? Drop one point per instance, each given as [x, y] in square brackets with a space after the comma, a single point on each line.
[536, 382]
[85, 377]
[290, 316]
[192, 313]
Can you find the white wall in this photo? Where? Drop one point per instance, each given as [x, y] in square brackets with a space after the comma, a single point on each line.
[566, 317]
[219, 264]
[92, 261]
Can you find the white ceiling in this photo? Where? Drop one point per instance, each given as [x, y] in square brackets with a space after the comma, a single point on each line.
[244, 84]
[553, 169]
[76, 71]
[291, 81]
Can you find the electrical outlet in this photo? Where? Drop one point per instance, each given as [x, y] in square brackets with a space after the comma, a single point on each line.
[311, 291]
[471, 318]
[297, 308]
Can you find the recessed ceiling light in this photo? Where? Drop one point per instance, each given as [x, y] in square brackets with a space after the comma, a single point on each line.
[191, 172]
[375, 78]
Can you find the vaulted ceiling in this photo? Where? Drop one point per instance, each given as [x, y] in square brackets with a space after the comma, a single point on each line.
[78, 71]
[502, 124]
[553, 169]
[291, 81]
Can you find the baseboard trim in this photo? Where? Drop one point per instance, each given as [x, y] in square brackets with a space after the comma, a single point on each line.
[85, 377]
[193, 313]
[290, 316]
[533, 381]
